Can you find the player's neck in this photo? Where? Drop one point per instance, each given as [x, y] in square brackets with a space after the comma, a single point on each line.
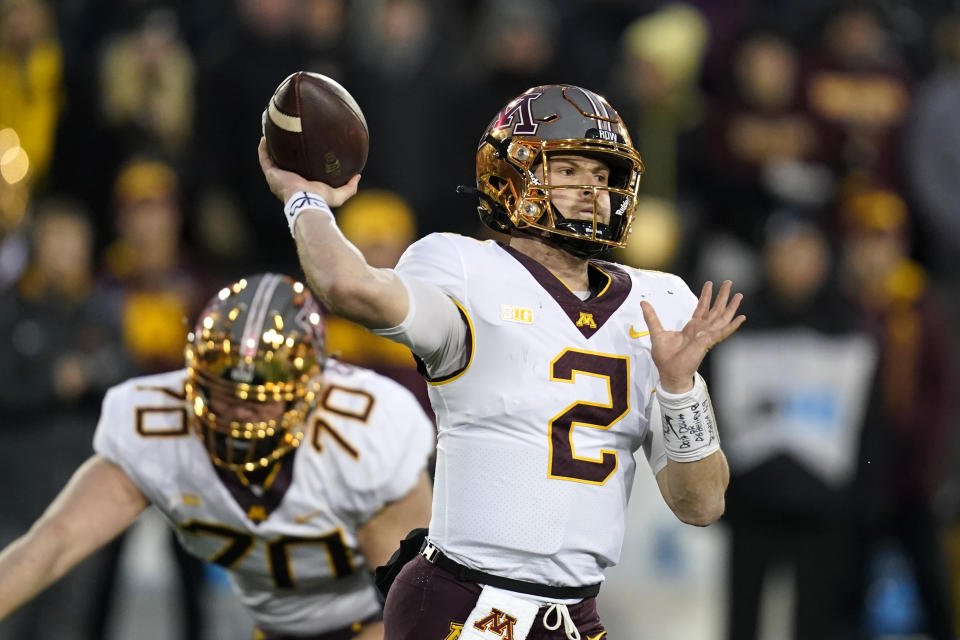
[571, 269]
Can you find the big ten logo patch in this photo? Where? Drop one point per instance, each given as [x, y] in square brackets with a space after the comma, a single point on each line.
[510, 313]
[497, 622]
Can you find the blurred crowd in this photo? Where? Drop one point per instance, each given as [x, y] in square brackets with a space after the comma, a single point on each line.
[809, 151]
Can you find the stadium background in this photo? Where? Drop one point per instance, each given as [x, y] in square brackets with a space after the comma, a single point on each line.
[130, 190]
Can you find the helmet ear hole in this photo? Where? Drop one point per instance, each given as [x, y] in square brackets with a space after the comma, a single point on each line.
[497, 183]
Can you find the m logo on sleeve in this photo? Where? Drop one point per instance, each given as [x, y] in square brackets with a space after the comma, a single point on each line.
[497, 622]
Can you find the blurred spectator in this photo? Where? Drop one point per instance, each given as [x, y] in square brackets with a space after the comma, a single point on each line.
[58, 343]
[804, 372]
[323, 26]
[381, 225]
[933, 164]
[57, 357]
[509, 48]
[146, 80]
[400, 49]
[590, 31]
[234, 212]
[916, 378]
[656, 84]
[152, 285]
[933, 150]
[514, 46]
[151, 289]
[765, 150]
[857, 84]
[30, 87]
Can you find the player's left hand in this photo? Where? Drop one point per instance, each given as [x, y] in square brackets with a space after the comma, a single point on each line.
[678, 354]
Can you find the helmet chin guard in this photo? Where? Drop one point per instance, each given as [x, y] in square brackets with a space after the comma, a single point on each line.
[533, 129]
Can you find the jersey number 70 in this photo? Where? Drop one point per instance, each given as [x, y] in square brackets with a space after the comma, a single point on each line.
[565, 464]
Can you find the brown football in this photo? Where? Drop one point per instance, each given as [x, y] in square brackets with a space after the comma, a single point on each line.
[314, 127]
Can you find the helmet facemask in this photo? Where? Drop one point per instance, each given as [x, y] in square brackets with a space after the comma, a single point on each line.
[258, 352]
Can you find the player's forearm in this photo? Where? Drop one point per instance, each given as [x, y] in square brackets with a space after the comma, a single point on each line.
[31, 563]
[342, 279]
[696, 489]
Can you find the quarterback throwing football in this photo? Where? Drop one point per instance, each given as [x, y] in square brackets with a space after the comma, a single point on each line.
[549, 367]
[294, 472]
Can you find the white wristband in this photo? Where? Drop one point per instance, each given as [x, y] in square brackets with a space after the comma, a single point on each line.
[689, 426]
[302, 201]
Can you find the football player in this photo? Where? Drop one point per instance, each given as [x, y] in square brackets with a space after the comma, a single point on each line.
[294, 472]
[549, 367]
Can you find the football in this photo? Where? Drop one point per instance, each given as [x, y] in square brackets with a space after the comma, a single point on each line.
[315, 128]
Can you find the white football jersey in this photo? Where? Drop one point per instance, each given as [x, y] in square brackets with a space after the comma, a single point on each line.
[291, 550]
[537, 432]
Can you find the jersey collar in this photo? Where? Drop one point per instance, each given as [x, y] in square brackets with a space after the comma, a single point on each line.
[259, 507]
[610, 282]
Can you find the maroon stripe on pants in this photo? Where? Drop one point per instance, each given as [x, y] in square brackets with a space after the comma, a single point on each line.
[428, 603]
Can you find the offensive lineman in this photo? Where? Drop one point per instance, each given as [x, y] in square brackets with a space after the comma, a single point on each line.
[305, 472]
[548, 368]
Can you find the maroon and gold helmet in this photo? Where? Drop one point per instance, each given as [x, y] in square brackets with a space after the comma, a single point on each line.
[539, 124]
[259, 340]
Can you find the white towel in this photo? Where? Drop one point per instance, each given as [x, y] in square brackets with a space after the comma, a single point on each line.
[499, 614]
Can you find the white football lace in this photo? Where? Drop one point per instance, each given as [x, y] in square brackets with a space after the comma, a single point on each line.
[562, 616]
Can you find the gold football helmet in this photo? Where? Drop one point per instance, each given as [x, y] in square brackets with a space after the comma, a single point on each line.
[538, 125]
[259, 341]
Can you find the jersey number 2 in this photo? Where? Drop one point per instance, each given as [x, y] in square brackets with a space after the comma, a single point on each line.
[565, 464]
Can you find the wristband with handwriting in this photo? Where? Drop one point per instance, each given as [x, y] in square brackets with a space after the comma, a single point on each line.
[689, 426]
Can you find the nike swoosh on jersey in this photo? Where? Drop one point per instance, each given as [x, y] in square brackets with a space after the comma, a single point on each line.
[304, 518]
[634, 334]
[598, 636]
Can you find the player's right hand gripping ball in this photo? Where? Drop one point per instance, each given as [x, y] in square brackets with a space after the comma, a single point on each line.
[315, 128]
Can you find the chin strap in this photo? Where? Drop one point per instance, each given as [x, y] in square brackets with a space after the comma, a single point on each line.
[473, 191]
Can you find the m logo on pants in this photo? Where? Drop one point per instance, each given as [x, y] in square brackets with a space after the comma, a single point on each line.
[498, 622]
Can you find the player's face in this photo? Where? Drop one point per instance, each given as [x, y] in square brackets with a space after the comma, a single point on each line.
[229, 408]
[577, 204]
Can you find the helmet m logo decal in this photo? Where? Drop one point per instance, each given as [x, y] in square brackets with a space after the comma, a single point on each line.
[497, 622]
[520, 115]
